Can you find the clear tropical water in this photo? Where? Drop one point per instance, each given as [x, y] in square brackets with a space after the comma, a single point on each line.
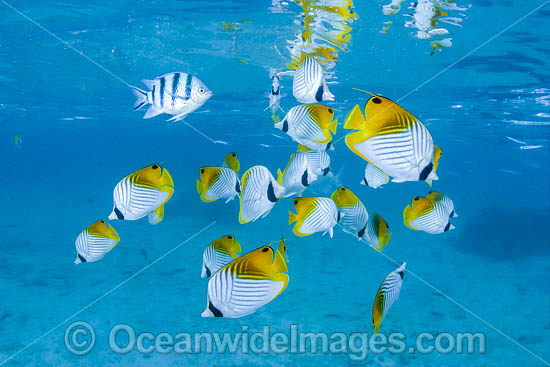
[78, 136]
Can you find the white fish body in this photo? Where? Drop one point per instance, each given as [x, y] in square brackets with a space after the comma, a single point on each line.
[259, 193]
[374, 176]
[322, 219]
[354, 218]
[309, 85]
[176, 94]
[212, 261]
[319, 162]
[387, 294]
[132, 202]
[299, 125]
[436, 221]
[227, 186]
[297, 175]
[445, 201]
[234, 297]
[92, 246]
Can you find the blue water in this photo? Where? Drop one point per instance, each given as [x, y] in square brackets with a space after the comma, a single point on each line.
[79, 137]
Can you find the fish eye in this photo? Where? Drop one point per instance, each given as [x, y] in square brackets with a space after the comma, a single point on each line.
[330, 110]
[202, 170]
[233, 154]
[416, 198]
[229, 237]
[376, 100]
[155, 166]
[201, 90]
[265, 249]
[343, 189]
[102, 221]
[429, 192]
[387, 227]
[295, 201]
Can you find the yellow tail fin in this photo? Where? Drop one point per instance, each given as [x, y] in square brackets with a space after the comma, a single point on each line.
[279, 176]
[292, 217]
[387, 239]
[333, 126]
[199, 187]
[355, 119]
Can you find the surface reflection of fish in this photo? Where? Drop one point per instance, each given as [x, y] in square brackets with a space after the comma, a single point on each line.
[325, 31]
[275, 94]
[426, 17]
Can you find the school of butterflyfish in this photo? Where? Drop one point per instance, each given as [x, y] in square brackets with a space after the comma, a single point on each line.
[394, 145]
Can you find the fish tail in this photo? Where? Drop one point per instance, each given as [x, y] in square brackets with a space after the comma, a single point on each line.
[332, 126]
[199, 187]
[355, 119]
[292, 217]
[386, 239]
[141, 98]
[279, 176]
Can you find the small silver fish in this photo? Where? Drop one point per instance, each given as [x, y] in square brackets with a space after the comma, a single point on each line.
[176, 94]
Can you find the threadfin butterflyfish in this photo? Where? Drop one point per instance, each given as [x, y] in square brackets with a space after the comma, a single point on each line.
[95, 241]
[247, 283]
[259, 193]
[142, 192]
[392, 139]
[218, 183]
[428, 215]
[310, 125]
[231, 160]
[319, 160]
[375, 233]
[314, 214]
[386, 296]
[355, 215]
[219, 253]
[309, 84]
[297, 175]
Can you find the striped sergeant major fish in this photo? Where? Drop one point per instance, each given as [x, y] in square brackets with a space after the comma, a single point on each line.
[386, 296]
[309, 125]
[220, 182]
[176, 94]
[143, 193]
[95, 241]
[375, 233]
[219, 253]
[355, 215]
[309, 84]
[314, 214]
[297, 175]
[259, 193]
[392, 139]
[374, 176]
[247, 283]
[428, 215]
